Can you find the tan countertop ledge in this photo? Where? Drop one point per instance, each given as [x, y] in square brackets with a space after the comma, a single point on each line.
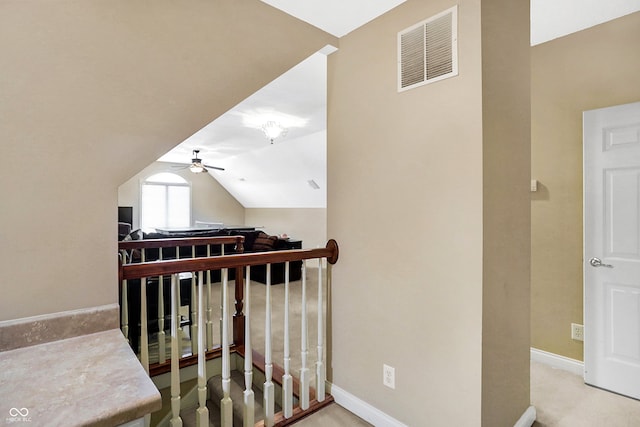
[87, 380]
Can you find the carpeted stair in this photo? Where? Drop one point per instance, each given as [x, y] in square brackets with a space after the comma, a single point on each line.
[214, 387]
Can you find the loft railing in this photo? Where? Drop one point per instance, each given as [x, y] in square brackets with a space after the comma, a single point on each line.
[200, 269]
[140, 251]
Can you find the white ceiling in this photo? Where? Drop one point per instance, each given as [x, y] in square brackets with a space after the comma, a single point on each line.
[260, 174]
[551, 19]
[337, 17]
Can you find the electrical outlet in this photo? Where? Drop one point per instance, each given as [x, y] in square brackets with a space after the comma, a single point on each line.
[389, 376]
[577, 332]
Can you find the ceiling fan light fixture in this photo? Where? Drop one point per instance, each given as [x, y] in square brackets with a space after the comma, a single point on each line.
[273, 130]
[196, 163]
[197, 168]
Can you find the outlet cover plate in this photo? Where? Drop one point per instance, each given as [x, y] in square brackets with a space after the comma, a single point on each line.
[389, 376]
[577, 332]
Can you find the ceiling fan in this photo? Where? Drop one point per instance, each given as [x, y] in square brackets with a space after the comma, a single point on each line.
[197, 166]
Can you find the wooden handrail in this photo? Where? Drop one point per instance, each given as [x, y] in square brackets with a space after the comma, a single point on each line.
[159, 268]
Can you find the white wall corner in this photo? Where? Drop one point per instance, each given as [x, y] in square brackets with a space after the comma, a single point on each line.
[328, 49]
[559, 362]
[361, 408]
[527, 419]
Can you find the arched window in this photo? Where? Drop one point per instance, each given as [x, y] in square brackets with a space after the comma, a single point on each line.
[165, 201]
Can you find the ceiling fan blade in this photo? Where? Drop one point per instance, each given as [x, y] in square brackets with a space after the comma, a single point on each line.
[213, 167]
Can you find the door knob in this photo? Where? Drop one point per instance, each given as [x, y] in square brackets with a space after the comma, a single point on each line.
[597, 262]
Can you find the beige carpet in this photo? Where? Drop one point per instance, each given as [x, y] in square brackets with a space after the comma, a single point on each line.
[562, 399]
[335, 416]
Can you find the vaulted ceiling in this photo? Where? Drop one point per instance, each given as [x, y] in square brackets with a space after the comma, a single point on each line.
[291, 172]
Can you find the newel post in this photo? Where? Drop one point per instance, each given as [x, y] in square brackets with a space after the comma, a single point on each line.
[238, 316]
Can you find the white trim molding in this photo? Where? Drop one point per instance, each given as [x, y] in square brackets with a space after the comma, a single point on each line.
[556, 361]
[378, 418]
[527, 419]
[361, 408]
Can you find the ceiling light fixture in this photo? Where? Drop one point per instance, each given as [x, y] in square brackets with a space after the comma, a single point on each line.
[196, 168]
[196, 163]
[273, 130]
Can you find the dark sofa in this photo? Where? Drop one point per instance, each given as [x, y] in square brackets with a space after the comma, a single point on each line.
[254, 241]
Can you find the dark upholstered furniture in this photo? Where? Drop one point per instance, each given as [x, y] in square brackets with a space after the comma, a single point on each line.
[124, 228]
[254, 241]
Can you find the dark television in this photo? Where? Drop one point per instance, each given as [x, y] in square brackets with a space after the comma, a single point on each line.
[125, 214]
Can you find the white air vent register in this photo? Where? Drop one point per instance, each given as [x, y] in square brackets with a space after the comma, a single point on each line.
[428, 51]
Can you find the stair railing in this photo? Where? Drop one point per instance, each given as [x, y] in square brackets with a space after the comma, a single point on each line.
[241, 334]
[167, 247]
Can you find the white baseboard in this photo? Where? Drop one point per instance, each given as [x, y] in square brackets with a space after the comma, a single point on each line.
[527, 419]
[361, 408]
[557, 361]
[379, 419]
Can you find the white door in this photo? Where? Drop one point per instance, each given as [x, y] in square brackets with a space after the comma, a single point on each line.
[612, 248]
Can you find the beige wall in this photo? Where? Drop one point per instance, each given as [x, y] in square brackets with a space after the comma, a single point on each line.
[308, 225]
[406, 201]
[594, 68]
[506, 121]
[91, 90]
[209, 200]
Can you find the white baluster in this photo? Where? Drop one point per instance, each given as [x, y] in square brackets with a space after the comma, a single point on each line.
[178, 292]
[209, 306]
[162, 340]
[175, 421]
[249, 398]
[304, 370]
[268, 390]
[287, 379]
[226, 405]
[194, 308]
[144, 333]
[320, 368]
[202, 414]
